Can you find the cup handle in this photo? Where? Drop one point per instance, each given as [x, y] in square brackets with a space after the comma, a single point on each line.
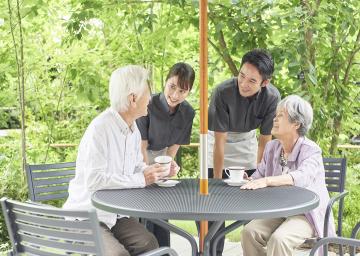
[227, 172]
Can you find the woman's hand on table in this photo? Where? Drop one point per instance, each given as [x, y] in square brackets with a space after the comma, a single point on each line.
[270, 181]
[255, 184]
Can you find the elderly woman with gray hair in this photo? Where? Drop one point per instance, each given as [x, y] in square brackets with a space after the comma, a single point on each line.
[290, 159]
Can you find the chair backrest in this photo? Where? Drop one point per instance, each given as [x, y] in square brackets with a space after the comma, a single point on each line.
[49, 181]
[41, 230]
[335, 172]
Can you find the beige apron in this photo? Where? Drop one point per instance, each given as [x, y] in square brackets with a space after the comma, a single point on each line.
[240, 149]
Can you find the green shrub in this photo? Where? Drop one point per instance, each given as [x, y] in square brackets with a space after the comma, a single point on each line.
[9, 118]
[189, 162]
[12, 180]
[352, 206]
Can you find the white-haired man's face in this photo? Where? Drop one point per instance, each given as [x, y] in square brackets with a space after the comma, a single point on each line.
[140, 103]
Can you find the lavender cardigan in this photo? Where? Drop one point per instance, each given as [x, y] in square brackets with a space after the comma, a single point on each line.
[306, 167]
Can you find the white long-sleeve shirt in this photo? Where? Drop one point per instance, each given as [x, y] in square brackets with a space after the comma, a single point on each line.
[109, 157]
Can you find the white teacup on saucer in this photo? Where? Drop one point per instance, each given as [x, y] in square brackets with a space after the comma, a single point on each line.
[235, 173]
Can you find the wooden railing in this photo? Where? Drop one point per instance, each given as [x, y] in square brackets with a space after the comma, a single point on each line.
[195, 145]
[178, 155]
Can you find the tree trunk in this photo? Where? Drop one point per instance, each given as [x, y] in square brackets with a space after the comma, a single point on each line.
[335, 137]
[20, 75]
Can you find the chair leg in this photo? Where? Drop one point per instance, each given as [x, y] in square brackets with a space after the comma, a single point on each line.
[341, 251]
[326, 249]
[143, 221]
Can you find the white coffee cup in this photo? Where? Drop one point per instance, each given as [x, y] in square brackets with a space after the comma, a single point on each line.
[164, 161]
[235, 173]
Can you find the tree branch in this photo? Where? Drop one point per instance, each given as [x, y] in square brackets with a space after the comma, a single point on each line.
[20, 75]
[56, 111]
[351, 58]
[314, 11]
[22, 91]
[222, 48]
[12, 28]
[215, 47]
[226, 56]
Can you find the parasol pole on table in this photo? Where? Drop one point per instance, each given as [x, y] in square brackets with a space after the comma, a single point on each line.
[203, 112]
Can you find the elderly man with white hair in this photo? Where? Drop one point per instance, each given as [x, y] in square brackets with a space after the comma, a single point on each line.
[294, 160]
[109, 157]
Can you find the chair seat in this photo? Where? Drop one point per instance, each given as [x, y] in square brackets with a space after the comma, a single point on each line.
[309, 243]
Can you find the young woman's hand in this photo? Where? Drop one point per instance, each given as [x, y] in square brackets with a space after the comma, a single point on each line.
[174, 169]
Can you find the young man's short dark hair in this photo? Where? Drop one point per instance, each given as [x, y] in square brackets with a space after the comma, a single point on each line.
[262, 60]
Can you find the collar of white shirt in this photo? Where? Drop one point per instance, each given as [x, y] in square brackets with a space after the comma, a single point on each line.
[124, 128]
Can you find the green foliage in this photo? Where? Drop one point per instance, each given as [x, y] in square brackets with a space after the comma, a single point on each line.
[72, 46]
[12, 180]
[189, 162]
[9, 118]
[352, 206]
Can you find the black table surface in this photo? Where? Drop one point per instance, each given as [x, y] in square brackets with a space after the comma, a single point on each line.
[183, 202]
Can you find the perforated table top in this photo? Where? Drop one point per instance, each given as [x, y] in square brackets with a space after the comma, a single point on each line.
[183, 202]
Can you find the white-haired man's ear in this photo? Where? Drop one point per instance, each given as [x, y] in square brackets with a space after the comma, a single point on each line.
[132, 99]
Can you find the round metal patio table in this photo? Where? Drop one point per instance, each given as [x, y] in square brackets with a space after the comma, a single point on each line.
[224, 202]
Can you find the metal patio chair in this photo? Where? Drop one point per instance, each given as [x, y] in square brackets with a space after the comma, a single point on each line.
[40, 230]
[49, 181]
[335, 173]
[352, 242]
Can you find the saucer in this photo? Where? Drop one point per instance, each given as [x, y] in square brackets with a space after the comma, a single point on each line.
[167, 183]
[235, 183]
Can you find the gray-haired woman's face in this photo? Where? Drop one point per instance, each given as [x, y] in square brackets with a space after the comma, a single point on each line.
[282, 126]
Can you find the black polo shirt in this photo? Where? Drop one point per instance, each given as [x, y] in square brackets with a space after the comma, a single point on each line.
[231, 112]
[162, 129]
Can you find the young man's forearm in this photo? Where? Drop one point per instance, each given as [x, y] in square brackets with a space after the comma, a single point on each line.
[172, 150]
[219, 149]
[263, 139]
[218, 162]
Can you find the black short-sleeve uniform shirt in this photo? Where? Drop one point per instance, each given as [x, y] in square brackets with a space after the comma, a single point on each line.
[231, 112]
[162, 129]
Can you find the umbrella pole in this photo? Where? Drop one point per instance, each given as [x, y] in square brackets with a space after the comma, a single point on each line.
[203, 113]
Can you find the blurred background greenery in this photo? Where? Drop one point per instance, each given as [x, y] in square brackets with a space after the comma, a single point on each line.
[70, 47]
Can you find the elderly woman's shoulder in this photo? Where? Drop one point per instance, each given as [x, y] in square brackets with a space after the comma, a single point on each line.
[310, 145]
[272, 145]
[305, 145]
